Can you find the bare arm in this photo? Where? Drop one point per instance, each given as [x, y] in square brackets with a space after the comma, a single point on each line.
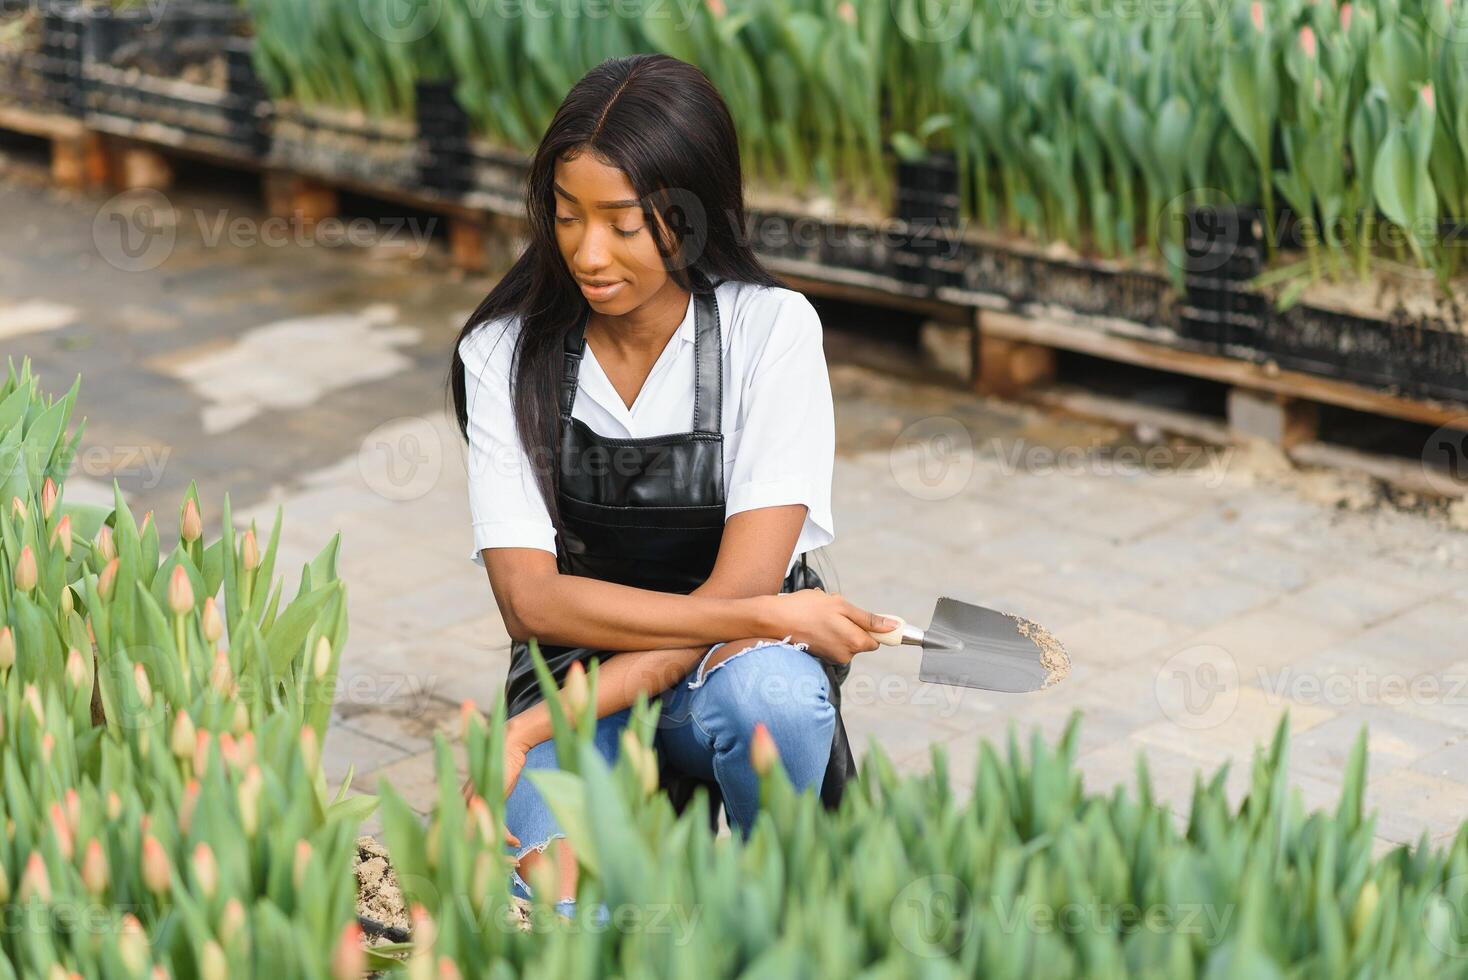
[750, 563]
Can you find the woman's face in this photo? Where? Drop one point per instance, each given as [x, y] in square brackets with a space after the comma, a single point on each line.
[604, 237]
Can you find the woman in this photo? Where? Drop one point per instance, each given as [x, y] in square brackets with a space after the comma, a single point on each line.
[651, 444]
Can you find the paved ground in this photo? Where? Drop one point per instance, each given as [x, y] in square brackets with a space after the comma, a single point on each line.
[1201, 594]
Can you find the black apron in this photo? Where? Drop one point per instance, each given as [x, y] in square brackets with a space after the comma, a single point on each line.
[649, 513]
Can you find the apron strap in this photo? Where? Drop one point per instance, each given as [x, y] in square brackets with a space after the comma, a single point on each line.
[571, 355]
[708, 357]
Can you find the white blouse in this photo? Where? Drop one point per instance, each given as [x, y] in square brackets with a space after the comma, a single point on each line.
[778, 420]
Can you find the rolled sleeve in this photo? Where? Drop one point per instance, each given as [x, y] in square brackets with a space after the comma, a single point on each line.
[787, 442]
[505, 506]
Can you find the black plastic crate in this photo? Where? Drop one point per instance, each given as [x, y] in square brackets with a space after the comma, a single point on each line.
[48, 78]
[1222, 242]
[445, 163]
[1223, 295]
[927, 189]
[1216, 329]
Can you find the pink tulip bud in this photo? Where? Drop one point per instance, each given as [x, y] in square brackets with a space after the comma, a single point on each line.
[188, 804]
[156, 868]
[717, 8]
[229, 750]
[191, 525]
[250, 551]
[76, 671]
[301, 863]
[7, 648]
[180, 592]
[1427, 96]
[48, 746]
[846, 11]
[1345, 16]
[61, 535]
[205, 869]
[212, 623]
[762, 751]
[480, 820]
[349, 958]
[1307, 41]
[140, 681]
[240, 723]
[425, 931]
[61, 831]
[446, 968]
[94, 868]
[467, 712]
[220, 674]
[25, 570]
[73, 805]
[114, 805]
[33, 698]
[104, 545]
[231, 920]
[35, 882]
[143, 527]
[18, 508]
[310, 747]
[181, 740]
[213, 964]
[68, 604]
[1256, 15]
[132, 943]
[201, 753]
[107, 580]
[247, 749]
[48, 498]
[575, 693]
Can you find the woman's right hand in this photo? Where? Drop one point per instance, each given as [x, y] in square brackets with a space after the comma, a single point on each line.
[831, 627]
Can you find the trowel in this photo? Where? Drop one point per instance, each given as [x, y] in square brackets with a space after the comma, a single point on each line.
[972, 646]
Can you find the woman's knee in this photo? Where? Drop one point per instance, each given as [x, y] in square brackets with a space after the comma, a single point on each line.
[775, 682]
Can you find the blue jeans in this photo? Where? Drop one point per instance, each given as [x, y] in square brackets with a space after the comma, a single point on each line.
[704, 731]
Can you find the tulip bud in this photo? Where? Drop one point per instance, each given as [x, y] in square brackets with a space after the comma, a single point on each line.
[114, 805]
[644, 762]
[231, 920]
[240, 723]
[132, 943]
[250, 551]
[107, 581]
[140, 681]
[349, 959]
[61, 535]
[1307, 41]
[212, 962]
[191, 525]
[48, 498]
[76, 671]
[25, 570]
[762, 751]
[446, 968]
[68, 605]
[321, 663]
[213, 625]
[147, 520]
[7, 648]
[94, 868]
[310, 747]
[1345, 17]
[33, 698]
[73, 804]
[201, 753]
[4, 886]
[182, 739]
[468, 711]
[187, 805]
[1366, 902]
[35, 883]
[48, 746]
[220, 674]
[479, 820]
[61, 832]
[575, 693]
[1426, 93]
[229, 750]
[180, 592]
[17, 507]
[1256, 15]
[156, 868]
[206, 870]
[247, 749]
[103, 544]
[301, 864]
[247, 795]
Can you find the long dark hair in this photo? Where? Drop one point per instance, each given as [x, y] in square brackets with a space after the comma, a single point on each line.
[663, 123]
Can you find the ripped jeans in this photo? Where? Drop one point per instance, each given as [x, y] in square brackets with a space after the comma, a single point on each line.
[704, 730]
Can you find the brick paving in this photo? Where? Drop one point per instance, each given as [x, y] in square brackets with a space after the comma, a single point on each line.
[1200, 601]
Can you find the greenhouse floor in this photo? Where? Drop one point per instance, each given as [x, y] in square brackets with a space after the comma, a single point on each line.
[1202, 591]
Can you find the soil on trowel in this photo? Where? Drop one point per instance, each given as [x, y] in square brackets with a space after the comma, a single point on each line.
[1052, 655]
[378, 895]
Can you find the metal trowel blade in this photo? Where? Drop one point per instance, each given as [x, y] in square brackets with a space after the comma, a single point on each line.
[972, 646]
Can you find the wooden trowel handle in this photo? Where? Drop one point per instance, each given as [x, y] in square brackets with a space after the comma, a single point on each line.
[896, 635]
